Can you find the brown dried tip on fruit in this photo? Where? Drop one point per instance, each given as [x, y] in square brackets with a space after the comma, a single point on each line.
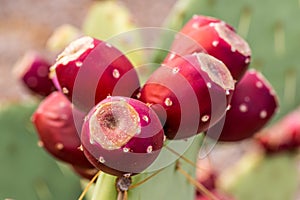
[284, 135]
[33, 70]
[252, 105]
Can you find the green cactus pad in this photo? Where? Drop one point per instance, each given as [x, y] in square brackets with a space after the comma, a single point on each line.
[259, 177]
[27, 171]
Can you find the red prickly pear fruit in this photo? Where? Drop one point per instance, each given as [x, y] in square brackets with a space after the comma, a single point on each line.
[217, 39]
[283, 135]
[121, 136]
[33, 70]
[193, 90]
[84, 172]
[89, 70]
[55, 125]
[252, 105]
[199, 21]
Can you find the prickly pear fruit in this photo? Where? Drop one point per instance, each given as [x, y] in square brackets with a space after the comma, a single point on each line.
[57, 131]
[33, 70]
[122, 135]
[253, 104]
[217, 39]
[284, 135]
[193, 90]
[89, 70]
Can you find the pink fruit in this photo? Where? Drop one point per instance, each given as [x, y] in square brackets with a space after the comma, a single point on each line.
[89, 70]
[33, 70]
[194, 92]
[54, 122]
[284, 135]
[215, 38]
[122, 135]
[253, 104]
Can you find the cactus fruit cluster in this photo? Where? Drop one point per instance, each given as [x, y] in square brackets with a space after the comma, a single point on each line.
[101, 119]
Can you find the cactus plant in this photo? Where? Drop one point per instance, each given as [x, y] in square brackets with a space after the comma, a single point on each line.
[272, 38]
[179, 173]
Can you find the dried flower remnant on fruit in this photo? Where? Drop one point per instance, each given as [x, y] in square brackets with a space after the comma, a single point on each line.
[110, 129]
[118, 130]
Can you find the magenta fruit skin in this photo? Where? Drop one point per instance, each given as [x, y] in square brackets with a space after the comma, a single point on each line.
[137, 153]
[216, 38]
[253, 104]
[33, 70]
[57, 131]
[192, 100]
[89, 70]
[284, 135]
